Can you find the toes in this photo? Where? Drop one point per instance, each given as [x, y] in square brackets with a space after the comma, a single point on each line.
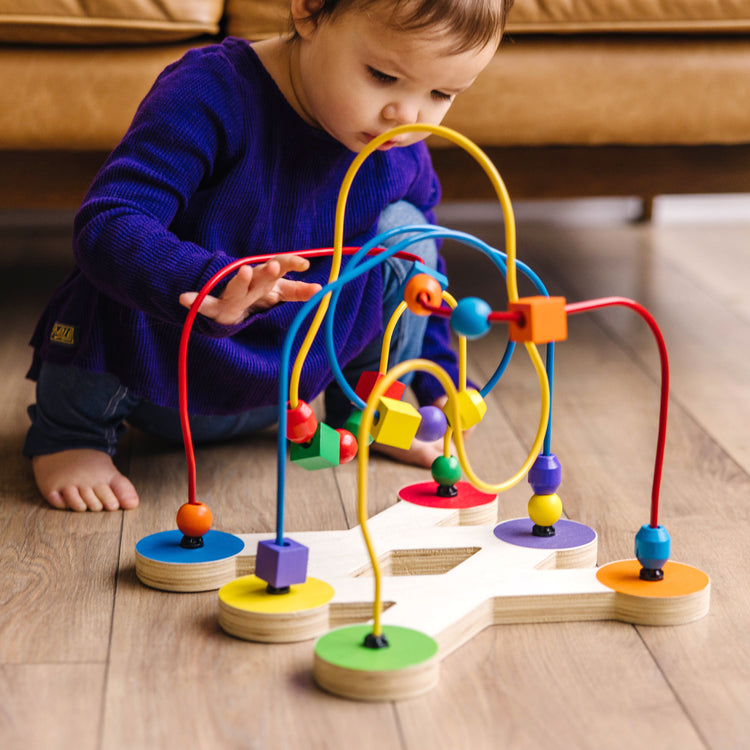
[73, 500]
[125, 493]
[107, 497]
[56, 500]
[89, 496]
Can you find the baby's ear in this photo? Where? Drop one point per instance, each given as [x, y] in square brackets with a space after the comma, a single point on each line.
[304, 15]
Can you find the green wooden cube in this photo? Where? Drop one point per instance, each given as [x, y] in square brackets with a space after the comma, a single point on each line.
[322, 452]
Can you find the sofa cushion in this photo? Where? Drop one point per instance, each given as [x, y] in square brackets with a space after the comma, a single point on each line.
[109, 22]
[75, 98]
[259, 19]
[633, 89]
[639, 16]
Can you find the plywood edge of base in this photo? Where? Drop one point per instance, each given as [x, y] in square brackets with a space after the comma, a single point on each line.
[185, 578]
[367, 685]
[673, 610]
[274, 627]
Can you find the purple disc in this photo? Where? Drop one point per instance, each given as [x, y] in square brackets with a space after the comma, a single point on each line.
[568, 534]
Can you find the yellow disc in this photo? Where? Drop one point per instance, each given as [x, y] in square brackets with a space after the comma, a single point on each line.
[545, 510]
[249, 593]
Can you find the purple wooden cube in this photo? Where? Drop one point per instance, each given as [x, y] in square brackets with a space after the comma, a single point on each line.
[281, 565]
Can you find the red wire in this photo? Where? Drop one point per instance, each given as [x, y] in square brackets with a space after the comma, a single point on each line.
[579, 307]
[188, 325]
[506, 316]
[442, 312]
[445, 312]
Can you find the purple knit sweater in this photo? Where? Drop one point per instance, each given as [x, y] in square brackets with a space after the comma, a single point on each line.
[215, 166]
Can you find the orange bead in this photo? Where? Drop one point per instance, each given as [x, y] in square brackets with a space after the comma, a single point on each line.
[194, 520]
[422, 284]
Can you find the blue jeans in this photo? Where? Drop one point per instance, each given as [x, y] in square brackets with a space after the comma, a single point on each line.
[80, 409]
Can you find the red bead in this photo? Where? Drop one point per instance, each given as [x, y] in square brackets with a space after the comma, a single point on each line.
[301, 423]
[348, 446]
[416, 286]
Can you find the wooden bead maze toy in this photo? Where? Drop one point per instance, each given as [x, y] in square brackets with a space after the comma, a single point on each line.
[445, 568]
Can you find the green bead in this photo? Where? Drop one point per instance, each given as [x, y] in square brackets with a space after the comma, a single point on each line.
[446, 470]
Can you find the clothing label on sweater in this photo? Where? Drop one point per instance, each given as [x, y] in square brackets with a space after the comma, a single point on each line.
[64, 334]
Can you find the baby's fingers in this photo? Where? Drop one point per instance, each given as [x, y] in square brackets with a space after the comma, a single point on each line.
[296, 291]
[292, 263]
[210, 306]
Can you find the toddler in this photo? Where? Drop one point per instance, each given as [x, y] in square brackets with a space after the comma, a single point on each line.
[239, 149]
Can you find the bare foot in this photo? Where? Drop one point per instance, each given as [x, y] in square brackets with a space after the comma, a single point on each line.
[418, 454]
[83, 479]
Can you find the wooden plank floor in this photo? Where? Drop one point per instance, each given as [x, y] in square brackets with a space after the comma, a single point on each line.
[89, 659]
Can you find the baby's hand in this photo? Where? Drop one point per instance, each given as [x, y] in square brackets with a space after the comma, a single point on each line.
[255, 288]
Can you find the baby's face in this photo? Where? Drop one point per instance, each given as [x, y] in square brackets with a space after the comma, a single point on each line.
[359, 78]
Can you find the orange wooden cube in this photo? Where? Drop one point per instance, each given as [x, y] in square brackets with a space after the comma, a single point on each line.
[544, 320]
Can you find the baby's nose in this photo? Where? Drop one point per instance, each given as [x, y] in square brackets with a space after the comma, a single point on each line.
[401, 113]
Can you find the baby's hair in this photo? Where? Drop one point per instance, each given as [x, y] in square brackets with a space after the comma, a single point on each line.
[475, 23]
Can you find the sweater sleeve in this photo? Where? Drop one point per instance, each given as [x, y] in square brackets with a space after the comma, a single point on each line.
[180, 137]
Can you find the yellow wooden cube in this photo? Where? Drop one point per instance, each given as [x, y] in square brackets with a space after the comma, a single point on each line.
[471, 408]
[397, 423]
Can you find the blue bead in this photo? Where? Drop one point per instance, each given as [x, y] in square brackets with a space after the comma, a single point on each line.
[652, 546]
[470, 317]
[433, 425]
[545, 475]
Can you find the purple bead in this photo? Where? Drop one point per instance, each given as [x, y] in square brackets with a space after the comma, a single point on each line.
[281, 565]
[545, 475]
[433, 425]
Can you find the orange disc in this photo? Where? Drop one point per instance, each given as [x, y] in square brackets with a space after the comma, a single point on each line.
[679, 579]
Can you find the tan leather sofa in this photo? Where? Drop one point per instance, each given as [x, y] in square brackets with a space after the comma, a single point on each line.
[623, 97]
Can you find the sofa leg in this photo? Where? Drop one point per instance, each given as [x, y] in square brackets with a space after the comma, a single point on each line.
[647, 209]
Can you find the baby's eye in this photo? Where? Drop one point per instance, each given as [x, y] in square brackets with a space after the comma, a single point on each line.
[442, 96]
[379, 76]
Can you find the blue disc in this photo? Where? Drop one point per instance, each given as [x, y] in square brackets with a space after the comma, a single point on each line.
[165, 547]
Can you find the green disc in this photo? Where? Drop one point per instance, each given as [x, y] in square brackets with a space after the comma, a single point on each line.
[344, 647]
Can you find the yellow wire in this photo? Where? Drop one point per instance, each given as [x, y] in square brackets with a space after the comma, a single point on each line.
[462, 352]
[365, 427]
[391, 327]
[338, 231]
[388, 335]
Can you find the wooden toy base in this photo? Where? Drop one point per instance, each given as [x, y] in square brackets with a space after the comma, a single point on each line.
[474, 507]
[406, 668]
[161, 563]
[443, 581]
[248, 611]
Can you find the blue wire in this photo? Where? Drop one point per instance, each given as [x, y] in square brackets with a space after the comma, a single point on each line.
[345, 278]
[353, 270]
[428, 232]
